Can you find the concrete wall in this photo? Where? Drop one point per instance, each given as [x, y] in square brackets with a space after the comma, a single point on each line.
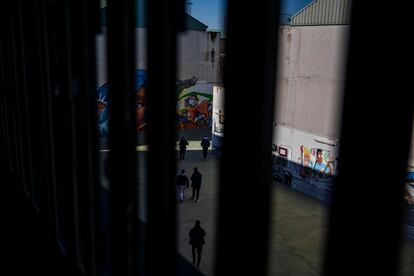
[311, 73]
[198, 55]
[195, 55]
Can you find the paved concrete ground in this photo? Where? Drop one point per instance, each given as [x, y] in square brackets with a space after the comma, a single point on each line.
[297, 235]
[204, 210]
[299, 224]
[296, 243]
[298, 221]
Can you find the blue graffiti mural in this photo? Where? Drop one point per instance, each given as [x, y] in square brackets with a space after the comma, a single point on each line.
[102, 110]
[103, 104]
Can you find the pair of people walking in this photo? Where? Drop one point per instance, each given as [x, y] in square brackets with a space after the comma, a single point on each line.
[183, 143]
[182, 184]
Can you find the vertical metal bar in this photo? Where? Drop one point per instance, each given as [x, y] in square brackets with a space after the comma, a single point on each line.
[8, 91]
[25, 105]
[19, 78]
[47, 29]
[91, 15]
[34, 66]
[162, 29]
[57, 122]
[37, 198]
[250, 183]
[94, 22]
[77, 183]
[15, 89]
[28, 81]
[78, 67]
[4, 128]
[69, 91]
[48, 142]
[3, 87]
[63, 125]
[38, 193]
[2, 115]
[83, 52]
[122, 155]
[365, 219]
[3, 147]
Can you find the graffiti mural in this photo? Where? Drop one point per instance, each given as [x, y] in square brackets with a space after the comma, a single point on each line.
[408, 221]
[305, 165]
[409, 188]
[102, 104]
[102, 110]
[315, 164]
[141, 88]
[194, 104]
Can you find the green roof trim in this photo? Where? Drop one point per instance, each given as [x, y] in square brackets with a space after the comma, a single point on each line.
[193, 24]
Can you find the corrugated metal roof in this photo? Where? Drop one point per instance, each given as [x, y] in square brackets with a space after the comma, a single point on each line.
[324, 12]
[194, 24]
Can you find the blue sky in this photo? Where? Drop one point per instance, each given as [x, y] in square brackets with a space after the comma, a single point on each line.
[211, 12]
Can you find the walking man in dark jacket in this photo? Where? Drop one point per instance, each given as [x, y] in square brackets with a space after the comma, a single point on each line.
[182, 183]
[205, 143]
[183, 147]
[197, 235]
[196, 183]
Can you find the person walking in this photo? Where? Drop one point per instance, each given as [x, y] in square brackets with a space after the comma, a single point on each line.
[205, 143]
[197, 235]
[196, 183]
[182, 183]
[183, 147]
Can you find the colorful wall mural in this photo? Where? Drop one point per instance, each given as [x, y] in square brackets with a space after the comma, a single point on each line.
[315, 164]
[310, 170]
[102, 104]
[409, 188]
[194, 104]
[102, 110]
[408, 221]
[141, 88]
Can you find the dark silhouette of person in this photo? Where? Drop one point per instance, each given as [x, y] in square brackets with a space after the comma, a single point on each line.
[288, 178]
[196, 183]
[197, 235]
[182, 183]
[205, 143]
[183, 147]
